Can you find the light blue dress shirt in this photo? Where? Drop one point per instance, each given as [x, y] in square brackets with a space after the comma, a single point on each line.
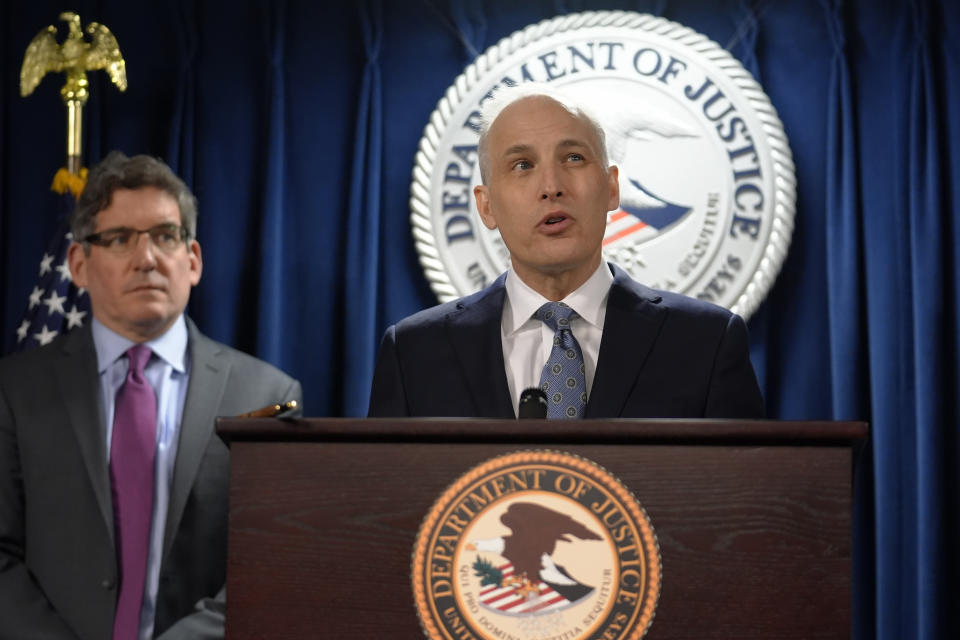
[168, 372]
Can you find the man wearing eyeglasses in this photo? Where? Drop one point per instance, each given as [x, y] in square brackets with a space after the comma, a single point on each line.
[113, 487]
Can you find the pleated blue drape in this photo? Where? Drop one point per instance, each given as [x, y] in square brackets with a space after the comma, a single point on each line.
[363, 235]
[180, 146]
[842, 231]
[934, 353]
[273, 281]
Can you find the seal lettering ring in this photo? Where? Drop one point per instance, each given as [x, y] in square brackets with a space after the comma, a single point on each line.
[536, 544]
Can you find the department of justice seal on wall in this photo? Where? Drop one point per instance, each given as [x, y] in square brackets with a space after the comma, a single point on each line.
[536, 544]
[707, 182]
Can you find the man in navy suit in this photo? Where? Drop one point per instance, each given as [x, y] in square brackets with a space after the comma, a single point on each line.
[547, 187]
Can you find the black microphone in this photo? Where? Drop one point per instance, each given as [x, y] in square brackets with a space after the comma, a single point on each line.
[533, 404]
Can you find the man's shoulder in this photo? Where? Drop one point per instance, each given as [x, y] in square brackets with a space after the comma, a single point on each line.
[244, 359]
[487, 301]
[694, 306]
[19, 363]
[431, 316]
[677, 303]
[205, 347]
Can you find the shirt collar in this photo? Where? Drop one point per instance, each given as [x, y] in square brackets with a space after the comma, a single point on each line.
[588, 300]
[171, 346]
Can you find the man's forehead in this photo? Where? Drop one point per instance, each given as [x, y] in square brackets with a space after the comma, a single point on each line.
[145, 197]
[526, 109]
[566, 143]
[527, 116]
[126, 203]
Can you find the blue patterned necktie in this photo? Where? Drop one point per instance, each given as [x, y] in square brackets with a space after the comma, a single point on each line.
[563, 378]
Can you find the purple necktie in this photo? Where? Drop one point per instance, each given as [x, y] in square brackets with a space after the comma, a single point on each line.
[132, 452]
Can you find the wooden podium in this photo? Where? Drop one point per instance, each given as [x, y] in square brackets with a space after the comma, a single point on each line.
[753, 518]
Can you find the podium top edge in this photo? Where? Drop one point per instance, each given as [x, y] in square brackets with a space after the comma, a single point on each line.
[449, 430]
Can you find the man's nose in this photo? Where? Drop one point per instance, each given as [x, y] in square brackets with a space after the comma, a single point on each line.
[551, 187]
[144, 252]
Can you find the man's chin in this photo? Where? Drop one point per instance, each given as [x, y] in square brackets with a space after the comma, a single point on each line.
[559, 265]
[150, 323]
[148, 293]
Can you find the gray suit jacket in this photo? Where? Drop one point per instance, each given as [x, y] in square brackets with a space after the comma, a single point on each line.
[58, 566]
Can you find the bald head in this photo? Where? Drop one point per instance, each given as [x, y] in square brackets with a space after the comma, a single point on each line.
[508, 96]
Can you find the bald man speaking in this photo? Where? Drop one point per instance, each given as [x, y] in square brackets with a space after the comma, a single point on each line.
[561, 319]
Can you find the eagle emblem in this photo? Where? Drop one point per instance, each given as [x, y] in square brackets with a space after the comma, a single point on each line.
[536, 544]
[642, 215]
[75, 57]
[530, 580]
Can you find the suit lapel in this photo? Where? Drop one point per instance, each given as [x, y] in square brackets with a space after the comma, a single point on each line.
[474, 331]
[79, 386]
[209, 371]
[633, 321]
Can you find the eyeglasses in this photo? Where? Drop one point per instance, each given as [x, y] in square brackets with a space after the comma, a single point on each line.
[123, 240]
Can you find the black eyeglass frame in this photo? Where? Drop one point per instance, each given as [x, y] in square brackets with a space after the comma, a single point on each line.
[103, 239]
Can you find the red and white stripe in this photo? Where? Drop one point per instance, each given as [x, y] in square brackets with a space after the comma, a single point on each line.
[506, 599]
[621, 224]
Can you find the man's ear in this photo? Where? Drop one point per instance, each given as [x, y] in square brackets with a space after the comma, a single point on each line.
[481, 194]
[196, 262]
[614, 179]
[77, 259]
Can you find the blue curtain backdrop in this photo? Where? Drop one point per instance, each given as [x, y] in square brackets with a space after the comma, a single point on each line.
[296, 124]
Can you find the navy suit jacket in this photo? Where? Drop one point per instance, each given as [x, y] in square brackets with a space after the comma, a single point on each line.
[662, 355]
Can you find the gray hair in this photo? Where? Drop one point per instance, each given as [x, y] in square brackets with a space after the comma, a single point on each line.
[117, 171]
[506, 96]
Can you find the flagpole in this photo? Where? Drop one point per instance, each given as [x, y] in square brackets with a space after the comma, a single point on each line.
[74, 98]
[75, 57]
[56, 305]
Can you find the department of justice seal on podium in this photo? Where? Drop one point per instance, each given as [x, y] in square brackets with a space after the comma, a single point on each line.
[707, 186]
[536, 545]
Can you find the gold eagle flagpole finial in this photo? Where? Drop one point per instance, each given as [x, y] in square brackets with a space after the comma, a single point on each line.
[74, 57]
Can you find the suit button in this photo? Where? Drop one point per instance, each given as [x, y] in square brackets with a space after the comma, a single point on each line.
[107, 583]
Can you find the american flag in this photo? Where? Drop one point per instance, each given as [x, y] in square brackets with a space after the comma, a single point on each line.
[508, 600]
[55, 305]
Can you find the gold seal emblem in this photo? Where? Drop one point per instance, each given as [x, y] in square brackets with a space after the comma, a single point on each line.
[536, 544]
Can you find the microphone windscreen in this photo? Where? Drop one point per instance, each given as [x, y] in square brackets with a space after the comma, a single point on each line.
[533, 404]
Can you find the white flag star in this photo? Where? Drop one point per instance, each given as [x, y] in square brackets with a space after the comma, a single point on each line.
[54, 303]
[22, 330]
[74, 317]
[45, 336]
[35, 296]
[64, 269]
[45, 263]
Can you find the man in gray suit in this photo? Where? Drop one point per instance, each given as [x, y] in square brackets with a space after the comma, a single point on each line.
[68, 569]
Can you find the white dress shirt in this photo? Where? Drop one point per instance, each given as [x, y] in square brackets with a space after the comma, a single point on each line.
[168, 372]
[527, 341]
